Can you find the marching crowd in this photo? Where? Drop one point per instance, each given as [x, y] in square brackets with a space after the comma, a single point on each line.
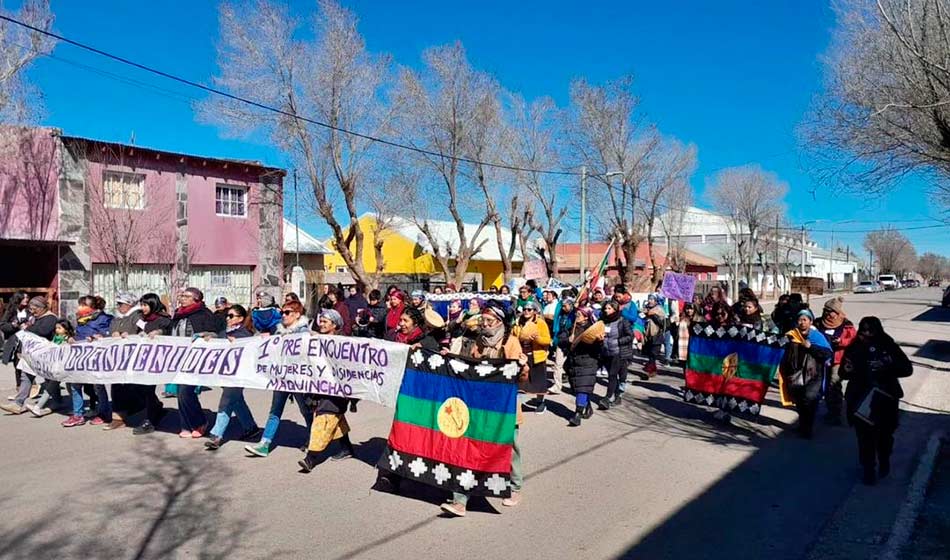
[563, 338]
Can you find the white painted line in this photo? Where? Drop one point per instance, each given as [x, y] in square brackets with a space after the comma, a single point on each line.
[910, 509]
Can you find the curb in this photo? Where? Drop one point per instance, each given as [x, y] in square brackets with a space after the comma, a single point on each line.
[910, 509]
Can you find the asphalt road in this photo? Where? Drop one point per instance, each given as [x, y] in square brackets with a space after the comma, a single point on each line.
[654, 479]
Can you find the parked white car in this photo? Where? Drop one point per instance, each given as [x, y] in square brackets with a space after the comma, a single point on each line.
[889, 281]
[868, 287]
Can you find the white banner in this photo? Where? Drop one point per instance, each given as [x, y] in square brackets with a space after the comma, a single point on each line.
[359, 368]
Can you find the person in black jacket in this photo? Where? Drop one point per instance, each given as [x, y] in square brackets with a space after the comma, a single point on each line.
[585, 343]
[43, 325]
[15, 313]
[874, 362]
[193, 319]
[155, 322]
[618, 352]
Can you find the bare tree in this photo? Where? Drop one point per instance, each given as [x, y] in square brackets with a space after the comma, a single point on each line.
[29, 162]
[123, 217]
[606, 133]
[892, 249]
[886, 109]
[19, 47]
[673, 223]
[751, 198]
[532, 150]
[931, 266]
[330, 78]
[449, 108]
[667, 183]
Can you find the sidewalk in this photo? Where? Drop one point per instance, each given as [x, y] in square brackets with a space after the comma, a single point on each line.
[931, 537]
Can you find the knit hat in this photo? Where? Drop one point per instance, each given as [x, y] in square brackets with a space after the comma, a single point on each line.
[39, 302]
[807, 313]
[835, 304]
[418, 294]
[196, 293]
[126, 298]
[333, 316]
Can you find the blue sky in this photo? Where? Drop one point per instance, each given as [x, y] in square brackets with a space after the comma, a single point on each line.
[734, 78]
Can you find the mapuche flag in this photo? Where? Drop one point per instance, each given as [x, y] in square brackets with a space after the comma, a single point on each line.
[454, 424]
[732, 367]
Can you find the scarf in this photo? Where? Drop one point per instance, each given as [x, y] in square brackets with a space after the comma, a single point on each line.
[814, 336]
[393, 315]
[152, 316]
[60, 338]
[490, 338]
[131, 310]
[85, 314]
[188, 309]
[829, 323]
[411, 337]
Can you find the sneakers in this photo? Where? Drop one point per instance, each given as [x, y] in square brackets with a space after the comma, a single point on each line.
[74, 420]
[39, 412]
[542, 406]
[184, 434]
[214, 443]
[513, 500]
[13, 408]
[260, 450]
[97, 421]
[114, 425]
[345, 453]
[144, 428]
[604, 403]
[454, 509]
[308, 463]
[588, 411]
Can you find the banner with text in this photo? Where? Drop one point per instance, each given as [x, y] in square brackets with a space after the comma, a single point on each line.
[358, 368]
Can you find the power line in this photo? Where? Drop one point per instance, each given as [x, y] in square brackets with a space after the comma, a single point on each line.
[277, 110]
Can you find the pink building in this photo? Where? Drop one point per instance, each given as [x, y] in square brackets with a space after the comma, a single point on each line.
[82, 216]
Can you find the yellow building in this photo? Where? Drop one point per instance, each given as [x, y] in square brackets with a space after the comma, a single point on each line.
[408, 258]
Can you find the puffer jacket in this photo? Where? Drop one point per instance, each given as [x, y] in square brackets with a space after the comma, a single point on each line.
[98, 324]
[619, 338]
[583, 362]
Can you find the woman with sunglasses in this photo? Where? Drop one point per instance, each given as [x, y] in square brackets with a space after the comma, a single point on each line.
[232, 398]
[535, 337]
[292, 321]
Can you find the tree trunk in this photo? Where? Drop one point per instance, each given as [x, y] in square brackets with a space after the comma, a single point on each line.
[629, 248]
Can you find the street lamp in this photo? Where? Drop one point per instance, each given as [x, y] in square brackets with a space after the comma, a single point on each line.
[583, 263]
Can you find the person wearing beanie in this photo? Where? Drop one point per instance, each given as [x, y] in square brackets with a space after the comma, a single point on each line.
[840, 332]
[44, 325]
[329, 412]
[802, 370]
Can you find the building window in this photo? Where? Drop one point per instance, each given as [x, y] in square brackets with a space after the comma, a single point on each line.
[230, 201]
[341, 269]
[123, 190]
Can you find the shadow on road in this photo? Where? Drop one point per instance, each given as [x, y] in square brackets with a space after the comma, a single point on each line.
[175, 502]
[774, 504]
[934, 315]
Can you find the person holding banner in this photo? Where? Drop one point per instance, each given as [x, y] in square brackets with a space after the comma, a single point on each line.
[873, 364]
[803, 368]
[292, 321]
[232, 398]
[155, 322]
[266, 316]
[329, 420]
[43, 324]
[193, 319]
[92, 322]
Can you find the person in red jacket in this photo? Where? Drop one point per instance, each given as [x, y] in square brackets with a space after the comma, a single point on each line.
[840, 332]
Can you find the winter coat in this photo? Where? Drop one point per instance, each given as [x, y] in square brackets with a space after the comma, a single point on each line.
[804, 367]
[565, 329]
[160, 324]
[377, 323]
[200, 321]
[9, 321]
[844, 334]
[98, 324]
[265, 319]
[129, 324]
[44, 326]
[583, 360]
[355, 303]
[240, 332]
[344, 312]
[619, 338]
[871, 364]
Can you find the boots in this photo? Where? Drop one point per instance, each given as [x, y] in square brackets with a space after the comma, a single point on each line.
[309, 462]
[346, 449]
[588, 411]
[604, 403]
[576, 419]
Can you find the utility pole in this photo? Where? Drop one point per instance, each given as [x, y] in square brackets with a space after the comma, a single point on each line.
[831, 260]
[802, 267]
[296, 219]
[735, 260]
[583, 263]
[775, 264]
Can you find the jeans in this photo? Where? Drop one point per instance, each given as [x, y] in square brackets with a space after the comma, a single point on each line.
[79, 402]
[189, 408]
[581, 400]
[668, 345]
[232, 402]
[616, 374]
[517, 473]
[277, 404]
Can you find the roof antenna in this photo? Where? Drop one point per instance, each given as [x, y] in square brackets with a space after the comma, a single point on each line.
[132, 139]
